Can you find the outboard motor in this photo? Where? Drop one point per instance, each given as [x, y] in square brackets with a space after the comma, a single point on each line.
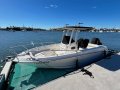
[80, 43]
[86, 41]
[96, 41]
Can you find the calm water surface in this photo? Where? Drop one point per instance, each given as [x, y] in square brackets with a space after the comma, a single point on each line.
[10, 39]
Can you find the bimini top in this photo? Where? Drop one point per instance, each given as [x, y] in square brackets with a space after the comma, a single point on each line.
[77, 28]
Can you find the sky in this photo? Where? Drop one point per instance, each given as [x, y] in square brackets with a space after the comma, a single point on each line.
[57, 13]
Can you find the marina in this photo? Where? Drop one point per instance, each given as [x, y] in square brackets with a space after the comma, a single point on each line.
[60, 45]
[22, 76]
[91, 29]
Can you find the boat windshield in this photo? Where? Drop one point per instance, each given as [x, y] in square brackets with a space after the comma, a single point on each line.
[66, 40]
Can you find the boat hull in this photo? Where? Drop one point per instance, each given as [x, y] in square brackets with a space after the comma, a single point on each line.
[72, 61]
[90, 59]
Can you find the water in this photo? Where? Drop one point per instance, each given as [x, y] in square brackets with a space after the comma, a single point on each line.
[10, 39]
[26, 77]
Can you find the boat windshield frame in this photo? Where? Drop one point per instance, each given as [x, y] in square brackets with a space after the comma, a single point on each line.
[71, 34]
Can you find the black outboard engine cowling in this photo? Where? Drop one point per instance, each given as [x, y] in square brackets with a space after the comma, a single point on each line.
[83, 43]
[96, 41]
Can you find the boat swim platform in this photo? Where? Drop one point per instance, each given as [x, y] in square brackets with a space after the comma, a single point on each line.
[103, 75]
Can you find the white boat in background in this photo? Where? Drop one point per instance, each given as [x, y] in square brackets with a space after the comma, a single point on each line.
[70, 52]
[101, 31]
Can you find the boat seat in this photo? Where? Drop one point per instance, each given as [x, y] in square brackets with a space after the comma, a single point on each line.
[44, 54]
[39, 55]
[49, 53]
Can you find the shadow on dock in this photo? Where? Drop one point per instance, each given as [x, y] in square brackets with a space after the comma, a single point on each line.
[112, 64]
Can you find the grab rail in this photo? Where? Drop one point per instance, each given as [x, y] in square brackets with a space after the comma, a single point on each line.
[26, 48]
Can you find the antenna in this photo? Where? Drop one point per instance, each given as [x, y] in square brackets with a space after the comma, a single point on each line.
[66, 25]
[79, 24]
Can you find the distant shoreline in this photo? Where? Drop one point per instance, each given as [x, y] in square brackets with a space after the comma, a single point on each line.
[16, 28]
[10, 30]
[24, 29]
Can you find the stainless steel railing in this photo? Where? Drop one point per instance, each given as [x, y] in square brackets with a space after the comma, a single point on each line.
[15, 50]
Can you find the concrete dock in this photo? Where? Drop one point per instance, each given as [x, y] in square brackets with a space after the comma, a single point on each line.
[6, 69]
[106, 76]
[4, 74]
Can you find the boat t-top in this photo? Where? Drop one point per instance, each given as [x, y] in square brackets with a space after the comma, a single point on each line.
[70, 52]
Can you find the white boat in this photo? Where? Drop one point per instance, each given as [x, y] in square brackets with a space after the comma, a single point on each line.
[101, 31]
[66, 54]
